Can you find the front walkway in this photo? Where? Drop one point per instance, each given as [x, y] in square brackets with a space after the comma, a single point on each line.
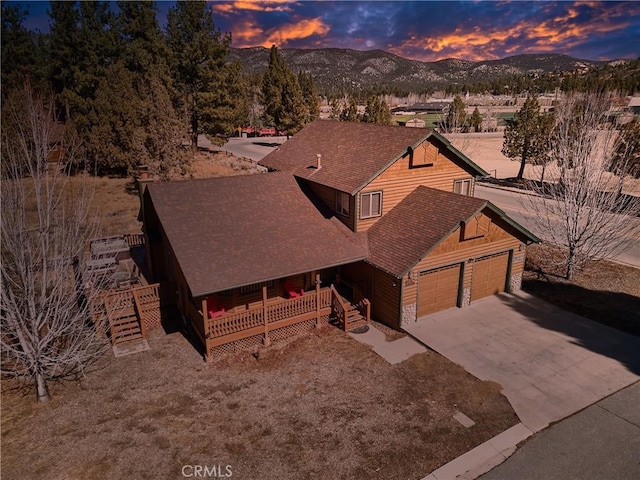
[550, 363]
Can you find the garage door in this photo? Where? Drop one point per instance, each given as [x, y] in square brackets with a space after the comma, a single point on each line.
[438, 289]
[489, 275]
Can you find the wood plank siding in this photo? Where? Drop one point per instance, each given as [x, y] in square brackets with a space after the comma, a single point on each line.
[328, 197]
[400, 179]
[385, 302]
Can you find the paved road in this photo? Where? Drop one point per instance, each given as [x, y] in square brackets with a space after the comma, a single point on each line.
[255, 148]
[600, 442]
[512, 203]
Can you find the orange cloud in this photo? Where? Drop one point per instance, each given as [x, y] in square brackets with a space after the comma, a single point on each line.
[295, 31]
[247, 34]
[225, 8]
[556, 34]
[250, 34]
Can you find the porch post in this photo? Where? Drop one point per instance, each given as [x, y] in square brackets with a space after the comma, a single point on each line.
[205, 328]
[317, 300]
[266, 341]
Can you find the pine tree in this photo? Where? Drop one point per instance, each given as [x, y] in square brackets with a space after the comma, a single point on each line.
[350, 112]
[133, 121]
[82, 45]
[284, 105]
[310, 96]
[457, 115]
[225, 106]
[527, 136]
[336, 108]
[198, 54]
[376, 111]
[476, 120]
[20, 55]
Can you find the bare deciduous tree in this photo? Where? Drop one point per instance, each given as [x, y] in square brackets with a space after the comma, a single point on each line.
[46, 221]
[584, 210]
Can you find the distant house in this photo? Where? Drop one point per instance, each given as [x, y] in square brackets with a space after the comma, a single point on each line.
[634, 105]
[413, 123]
[57, 153]
[353, 220]
[424, 108]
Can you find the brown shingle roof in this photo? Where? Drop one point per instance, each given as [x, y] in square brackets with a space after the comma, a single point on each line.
[416, 225]
[352, 153]
[233, 231]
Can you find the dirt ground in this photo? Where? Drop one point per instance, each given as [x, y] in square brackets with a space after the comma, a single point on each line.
[606, 292]
[117, 201]
[321, 406]
[485, 149]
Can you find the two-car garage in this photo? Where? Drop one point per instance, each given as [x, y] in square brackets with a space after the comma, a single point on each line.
[439, 288]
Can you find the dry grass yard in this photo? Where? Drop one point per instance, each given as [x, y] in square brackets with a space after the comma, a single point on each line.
[321, 406]
[606, 292]
[117, 202]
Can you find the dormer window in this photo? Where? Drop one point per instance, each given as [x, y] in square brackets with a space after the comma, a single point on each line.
[370, 204]
[342, 203]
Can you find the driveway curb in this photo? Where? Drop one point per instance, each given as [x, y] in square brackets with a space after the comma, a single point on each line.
[484, 457]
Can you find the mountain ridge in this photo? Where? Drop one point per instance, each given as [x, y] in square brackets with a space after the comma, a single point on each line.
[347, 68]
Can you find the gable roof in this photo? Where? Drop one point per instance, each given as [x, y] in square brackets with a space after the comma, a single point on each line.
[414, 227]
[231, 231]
[352, 153]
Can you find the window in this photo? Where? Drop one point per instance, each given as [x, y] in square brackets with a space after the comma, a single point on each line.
[342, 203]
[370, 204]
[463, 187]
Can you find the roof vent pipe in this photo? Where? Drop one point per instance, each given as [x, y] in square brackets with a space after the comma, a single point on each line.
[318, 161]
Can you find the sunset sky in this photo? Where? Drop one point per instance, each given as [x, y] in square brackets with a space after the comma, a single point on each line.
[470, 30]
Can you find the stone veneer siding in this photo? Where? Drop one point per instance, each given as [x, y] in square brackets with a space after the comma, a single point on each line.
[409, 314]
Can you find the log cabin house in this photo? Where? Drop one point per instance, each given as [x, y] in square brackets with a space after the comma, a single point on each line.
[353, 220]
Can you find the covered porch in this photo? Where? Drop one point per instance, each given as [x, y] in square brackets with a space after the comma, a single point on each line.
[255, 315]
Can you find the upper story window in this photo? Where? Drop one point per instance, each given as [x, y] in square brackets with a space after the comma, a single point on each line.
[463, 187]
[370, 204]
[342, 203]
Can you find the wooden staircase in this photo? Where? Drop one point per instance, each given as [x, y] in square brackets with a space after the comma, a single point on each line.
[349, 316]
[123, 319]
[354, 317]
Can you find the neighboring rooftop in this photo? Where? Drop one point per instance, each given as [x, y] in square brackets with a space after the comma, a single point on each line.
[232, 231]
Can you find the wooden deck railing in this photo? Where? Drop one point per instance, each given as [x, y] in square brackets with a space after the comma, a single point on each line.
[134, 239]
[364, 307]
[279, 313]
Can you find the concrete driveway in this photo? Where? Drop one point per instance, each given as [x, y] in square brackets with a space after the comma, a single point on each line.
[550, 363]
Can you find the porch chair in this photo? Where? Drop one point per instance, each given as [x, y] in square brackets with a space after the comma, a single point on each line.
[291, 290]
[213, 308]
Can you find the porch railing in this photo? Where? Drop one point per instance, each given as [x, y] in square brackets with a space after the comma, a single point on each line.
[247, 323]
